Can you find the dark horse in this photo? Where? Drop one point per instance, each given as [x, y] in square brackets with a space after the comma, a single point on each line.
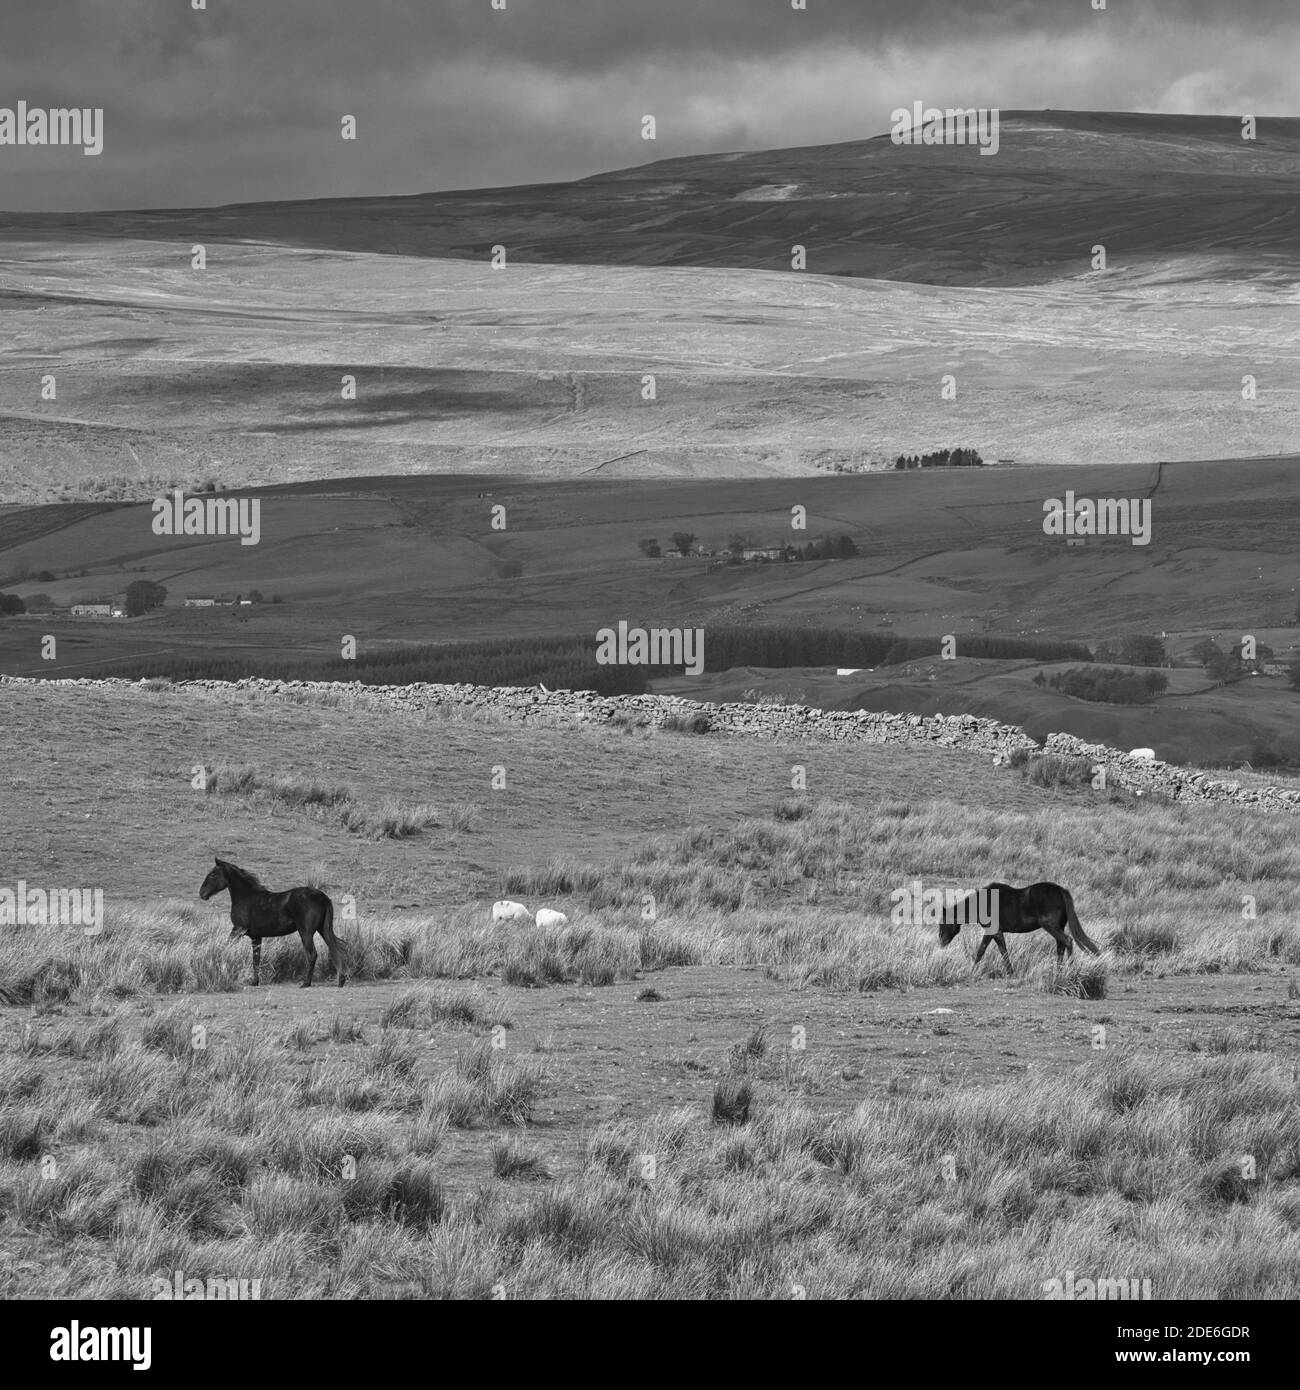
[1045, 905]
[257, 913]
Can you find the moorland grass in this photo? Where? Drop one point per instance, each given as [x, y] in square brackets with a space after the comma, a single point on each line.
[1223, 905]
[1124, 1166]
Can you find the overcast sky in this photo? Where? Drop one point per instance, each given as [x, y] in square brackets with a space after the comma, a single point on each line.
[243, 101]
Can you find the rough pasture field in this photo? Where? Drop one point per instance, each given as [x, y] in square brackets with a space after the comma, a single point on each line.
[755, 1092]
[413, 559]
[921, 263]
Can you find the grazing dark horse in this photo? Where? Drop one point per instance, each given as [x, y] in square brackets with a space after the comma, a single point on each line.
[1045, 905]
[257, 913]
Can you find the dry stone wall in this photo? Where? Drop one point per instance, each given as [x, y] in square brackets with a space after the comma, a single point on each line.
[779, 722]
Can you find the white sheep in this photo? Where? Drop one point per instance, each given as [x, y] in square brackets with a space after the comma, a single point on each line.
[548, 917]
[506, 911]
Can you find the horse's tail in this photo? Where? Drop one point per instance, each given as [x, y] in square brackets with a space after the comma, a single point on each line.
[1076, 930]
[338, 951]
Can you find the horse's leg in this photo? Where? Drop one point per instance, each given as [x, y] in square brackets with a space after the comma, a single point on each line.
[306, 935]
[257, 957]
[984, 945]
[1002, 946]
[336, 950]
[1064, 946]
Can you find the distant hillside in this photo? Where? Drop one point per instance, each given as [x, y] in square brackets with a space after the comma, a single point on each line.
[649, 323]
[1150, 186]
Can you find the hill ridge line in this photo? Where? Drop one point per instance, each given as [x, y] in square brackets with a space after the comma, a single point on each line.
[522, 704]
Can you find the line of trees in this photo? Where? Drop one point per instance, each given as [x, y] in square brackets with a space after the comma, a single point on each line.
[562, 663]
[725, 647]
[824, 548]
[840, 547]
[569, 663]
[1134, 650]
[941, 458]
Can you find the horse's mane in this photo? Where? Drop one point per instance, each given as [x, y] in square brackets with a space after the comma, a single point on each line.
[247, 875]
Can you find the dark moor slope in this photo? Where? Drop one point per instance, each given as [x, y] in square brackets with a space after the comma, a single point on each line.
[1145, 185]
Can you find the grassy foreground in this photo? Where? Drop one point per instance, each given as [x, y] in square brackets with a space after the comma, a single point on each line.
[130, 1151]
[420, 1133]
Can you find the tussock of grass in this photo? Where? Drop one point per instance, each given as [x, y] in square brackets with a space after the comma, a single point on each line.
[456, 1007]
[346, 1030]
[1145, 939]
[407, 1192]
[1225, 1040]
[752, 1050]
[340, 1087]
[591, 955]
[465, 817]
[390, 821]
[1079, 979]
[102, 1039]
[567, 1224]
[487, 1086]
[328, 1146]
[732, 1098]
[22, 1133]
[1058, 770]
[512, 1161]
[428, 1130]
[79, 1198]
[280, 1205]
[301, 1037]
[296, 792]
[172, 1032]
[395, 1056]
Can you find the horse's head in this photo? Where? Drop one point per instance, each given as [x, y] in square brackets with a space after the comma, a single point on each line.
[214, 883]
[950, 924]
[979, 907]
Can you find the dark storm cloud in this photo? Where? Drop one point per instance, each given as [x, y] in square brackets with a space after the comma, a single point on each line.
[243, 100]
